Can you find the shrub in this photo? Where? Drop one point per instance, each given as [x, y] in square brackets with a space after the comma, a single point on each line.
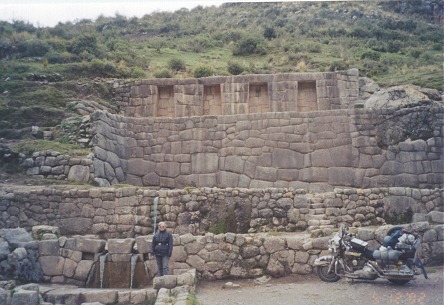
[86, 42]
[103, 68]
[59, 58]
[203, 71]
[415, 53]
[33, 48]
[371, 55]
[137, 73]
[200, 44]
[235, 68]
[163, 74]
[269, 32]
[249, 46]
[338, 66]
[176, 64]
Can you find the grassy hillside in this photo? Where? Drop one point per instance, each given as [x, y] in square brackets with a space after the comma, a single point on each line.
[41, 69]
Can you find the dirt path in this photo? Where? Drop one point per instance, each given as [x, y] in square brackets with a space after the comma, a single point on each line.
[309, 290]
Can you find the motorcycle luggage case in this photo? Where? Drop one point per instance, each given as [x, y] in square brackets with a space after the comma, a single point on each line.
[358, 244]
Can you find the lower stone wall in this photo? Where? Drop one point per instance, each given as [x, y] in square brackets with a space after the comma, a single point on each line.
[75, 260]
[129, 211]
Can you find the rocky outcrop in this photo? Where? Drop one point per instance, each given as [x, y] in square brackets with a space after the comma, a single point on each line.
[398, 96]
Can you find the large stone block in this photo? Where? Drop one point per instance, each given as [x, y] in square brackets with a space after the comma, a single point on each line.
[49, 247]
[52, 265]
[286, 158]
[203, 163]
[27, 297]
[120, 245]
[79, 173]
[274, 244]
[84, 244]
[83, 269]
[77, 225]
[104, 296]
[144, 243]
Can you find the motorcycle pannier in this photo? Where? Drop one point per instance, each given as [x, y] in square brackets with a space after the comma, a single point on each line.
[358, 244]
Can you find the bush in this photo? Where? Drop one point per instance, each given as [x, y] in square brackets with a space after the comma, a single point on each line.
[200, 44]
[415, 53]
[59, 58]
[137, 73]
[338, 66]
[103, 68]
[235, 68]
[249, 46]
[163, 74]
[176, 64]
[33, 48]
[84, 43]
[371, 55]
[269, 32]
[203, 71]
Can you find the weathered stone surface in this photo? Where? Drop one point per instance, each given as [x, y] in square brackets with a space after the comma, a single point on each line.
[105, 296]
[83, 269]
[79, 173]
[15, 236]
[120, 245]
[436, 217]
[49, 247]
[89, 245]
[52, 265]
[166, 281]
[27, 297]
[274, 244]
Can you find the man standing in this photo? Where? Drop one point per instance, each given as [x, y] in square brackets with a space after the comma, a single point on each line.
[162, 248]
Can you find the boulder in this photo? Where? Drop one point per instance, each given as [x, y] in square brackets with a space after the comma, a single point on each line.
[15, 237]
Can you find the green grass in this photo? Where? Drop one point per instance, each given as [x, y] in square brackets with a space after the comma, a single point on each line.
[29, 147]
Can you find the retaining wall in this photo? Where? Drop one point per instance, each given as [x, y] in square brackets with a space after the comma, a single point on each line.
[315, 151]
[129, 211]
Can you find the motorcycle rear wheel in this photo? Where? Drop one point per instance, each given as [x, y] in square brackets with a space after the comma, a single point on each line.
[322, 272]
[398, 282]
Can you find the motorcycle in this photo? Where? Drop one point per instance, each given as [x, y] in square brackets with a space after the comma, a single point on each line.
[397, 259]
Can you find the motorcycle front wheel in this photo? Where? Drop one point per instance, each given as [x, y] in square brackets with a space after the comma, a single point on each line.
[322, 272]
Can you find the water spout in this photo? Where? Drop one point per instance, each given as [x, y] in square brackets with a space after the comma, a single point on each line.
[155, 203]
[102, 260]
[134, 258]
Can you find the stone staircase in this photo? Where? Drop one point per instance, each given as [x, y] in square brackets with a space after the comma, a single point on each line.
[317, 219]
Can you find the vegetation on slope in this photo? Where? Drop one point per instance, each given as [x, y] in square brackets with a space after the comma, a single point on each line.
[41, 69]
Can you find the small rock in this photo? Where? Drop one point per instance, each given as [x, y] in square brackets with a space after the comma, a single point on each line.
[230, 285]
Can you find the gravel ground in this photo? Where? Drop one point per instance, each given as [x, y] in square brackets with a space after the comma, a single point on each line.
[310, 290]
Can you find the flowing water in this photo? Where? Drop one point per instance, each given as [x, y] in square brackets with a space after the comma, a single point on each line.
[133, 267]
[155, 203]
[102, 260]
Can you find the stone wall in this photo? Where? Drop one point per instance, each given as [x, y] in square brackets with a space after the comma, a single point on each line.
[213, 256]
[315, 151]
[54, 165]
[238, 94]
[128, 211]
